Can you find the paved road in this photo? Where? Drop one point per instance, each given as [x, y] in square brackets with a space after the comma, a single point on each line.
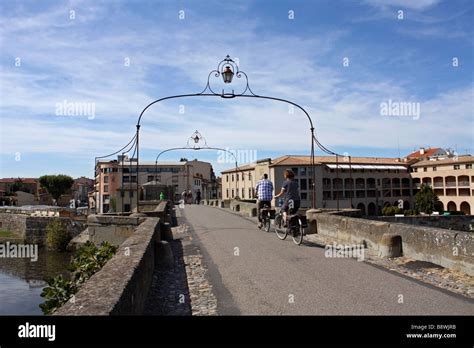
[253, 272]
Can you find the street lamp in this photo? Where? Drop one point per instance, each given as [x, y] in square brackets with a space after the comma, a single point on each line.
[227, 74]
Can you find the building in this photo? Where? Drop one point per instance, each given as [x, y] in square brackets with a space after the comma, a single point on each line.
[81, 188]
[116, 181]
[365, 183]
[452, 179]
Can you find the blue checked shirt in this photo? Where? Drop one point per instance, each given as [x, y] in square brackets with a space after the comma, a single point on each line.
[264, 190]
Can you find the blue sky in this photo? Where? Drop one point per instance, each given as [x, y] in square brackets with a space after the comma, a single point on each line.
[81, 59]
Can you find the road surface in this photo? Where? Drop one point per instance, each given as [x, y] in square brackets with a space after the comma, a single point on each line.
[254, 273]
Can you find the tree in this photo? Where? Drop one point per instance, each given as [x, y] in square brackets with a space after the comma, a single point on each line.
[427, 201]
[183, 159]
[56, 185]
[18, 185]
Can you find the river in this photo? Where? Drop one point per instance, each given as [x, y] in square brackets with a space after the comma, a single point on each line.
[22, 281]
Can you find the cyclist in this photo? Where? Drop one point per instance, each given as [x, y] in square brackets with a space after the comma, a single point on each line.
[264, 190]
[290, 191]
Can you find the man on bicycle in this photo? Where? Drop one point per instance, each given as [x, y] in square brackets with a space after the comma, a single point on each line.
[264, 190]
[291, 192]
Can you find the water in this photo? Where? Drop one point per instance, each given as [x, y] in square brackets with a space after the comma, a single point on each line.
[22, 281]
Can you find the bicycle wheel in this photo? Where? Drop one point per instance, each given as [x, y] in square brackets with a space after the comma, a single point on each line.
[298, 233]
[266, 224]
[280, 230]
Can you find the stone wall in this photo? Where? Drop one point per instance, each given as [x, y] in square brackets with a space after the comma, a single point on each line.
[453, 222]
[451, 249]
[113, 229]
[121, 286]
[32, 229]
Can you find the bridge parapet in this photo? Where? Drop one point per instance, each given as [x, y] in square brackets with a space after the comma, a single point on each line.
[121, 286]
[447, 248]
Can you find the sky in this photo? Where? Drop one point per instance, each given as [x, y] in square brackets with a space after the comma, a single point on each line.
[344, 61]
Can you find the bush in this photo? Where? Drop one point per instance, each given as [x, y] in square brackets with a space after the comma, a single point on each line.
[391, 211]
[410, 212]
[87, 260]
[57, 235]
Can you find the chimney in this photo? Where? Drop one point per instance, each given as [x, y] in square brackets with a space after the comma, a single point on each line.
[422, 150]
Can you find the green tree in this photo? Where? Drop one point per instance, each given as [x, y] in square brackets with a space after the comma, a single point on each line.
[57, 235]
[18, 185]
[56, 185]
[427, 201]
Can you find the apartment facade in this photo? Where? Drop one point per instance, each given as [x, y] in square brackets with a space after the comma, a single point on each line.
[452, 179]
[366, 183]
[116, 181]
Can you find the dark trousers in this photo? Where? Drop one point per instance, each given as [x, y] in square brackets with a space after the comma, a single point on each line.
[260, 205]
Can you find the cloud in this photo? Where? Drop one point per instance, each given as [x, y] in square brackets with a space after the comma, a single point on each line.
[410, 4]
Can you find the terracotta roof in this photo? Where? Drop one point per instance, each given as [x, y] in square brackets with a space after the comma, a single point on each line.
[24, 180]
[240, 168]
[306, 160]
[428, 153]
[450, 160]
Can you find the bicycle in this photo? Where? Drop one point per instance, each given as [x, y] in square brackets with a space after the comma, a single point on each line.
[296, 223]
[267, 214]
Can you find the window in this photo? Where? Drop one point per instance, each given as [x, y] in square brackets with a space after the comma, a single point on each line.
[303, 171]
[303, 185]
[304, 196]
[295, 170]
[134, 179]
[130, 194]
[243, 192]
[434, 169]
[415, 170]
[468, 166]
[425, 169]
[150, 178]
[227, 193]
[106, 179]
[227, 178]
[232, 178]
[106, 188]
[126, 179]
[250, 176]
[237, 175]
[232, 193]
[457, 167]
[250, 192]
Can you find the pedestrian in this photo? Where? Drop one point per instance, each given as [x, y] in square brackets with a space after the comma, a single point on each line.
[190, 197]
[198, 197]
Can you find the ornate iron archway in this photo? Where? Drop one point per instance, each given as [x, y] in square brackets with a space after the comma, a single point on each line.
[198, 143]
[227, 69]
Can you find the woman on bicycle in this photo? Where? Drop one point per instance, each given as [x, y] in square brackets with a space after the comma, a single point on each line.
[291, 192]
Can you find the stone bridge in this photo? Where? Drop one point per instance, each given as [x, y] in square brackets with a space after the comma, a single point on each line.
[211, 259]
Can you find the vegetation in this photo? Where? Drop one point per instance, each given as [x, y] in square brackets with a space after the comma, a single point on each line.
[87, 260]
[18, 185]
[391, 211]
[6, 233]
[56, 185]
[427, 201]
[113, 205]
[57, 235]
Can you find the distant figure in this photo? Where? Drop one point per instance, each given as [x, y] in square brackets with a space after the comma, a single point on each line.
[190, 197]
[198, 197]
[162, 196]
[184, 196]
